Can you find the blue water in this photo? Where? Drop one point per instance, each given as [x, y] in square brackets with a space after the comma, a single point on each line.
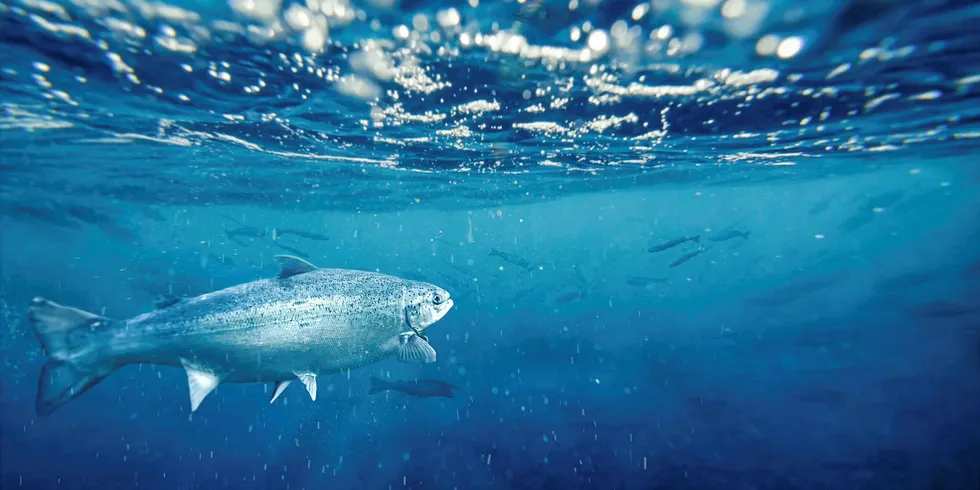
[823, 333]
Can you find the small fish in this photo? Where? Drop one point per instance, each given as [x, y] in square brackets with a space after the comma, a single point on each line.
[512, 259]
[904, 281]
[674, 243]
[729, 234]
[686, 257]
[280, 232]
[822, 205]
[942, 309]
[642, 282]
[153, 214]
[425, 388]
[245, 231]
[796, 289]
[568, 297]
[461, 270]
[857, 221]
[237, 242]
[303, 323]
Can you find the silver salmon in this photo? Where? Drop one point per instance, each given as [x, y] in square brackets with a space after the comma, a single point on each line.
[305, 322]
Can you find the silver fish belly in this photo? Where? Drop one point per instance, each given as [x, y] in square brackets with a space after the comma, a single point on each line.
[306, 322]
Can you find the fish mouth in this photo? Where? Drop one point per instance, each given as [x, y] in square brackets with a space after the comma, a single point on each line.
[441, 310]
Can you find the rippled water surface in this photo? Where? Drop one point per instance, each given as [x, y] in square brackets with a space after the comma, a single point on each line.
[816, 329]
[507, 100]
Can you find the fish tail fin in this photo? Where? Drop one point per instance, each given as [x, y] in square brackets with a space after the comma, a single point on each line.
[377, 386]
[696, 239]
[745, 234]
[77, 358]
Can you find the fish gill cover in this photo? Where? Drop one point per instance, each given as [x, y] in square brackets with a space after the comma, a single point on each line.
[691, 243]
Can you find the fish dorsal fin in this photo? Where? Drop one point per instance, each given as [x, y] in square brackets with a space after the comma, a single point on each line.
[280, 387]
[413, 349]
[200, 383]
[165, 301]
[290, 266]
[309, 380]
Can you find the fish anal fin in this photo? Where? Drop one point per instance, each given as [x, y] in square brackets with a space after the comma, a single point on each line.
[200, 383]
[309, 381]
[290, 266]
[280, 387]
[413, 349]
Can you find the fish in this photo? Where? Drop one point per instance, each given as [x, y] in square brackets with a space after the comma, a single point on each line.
[686, 257]
[280, 232]
[642, 282]
[729, 234]
[512, 259]
[904, 281]
[673, 243]
[304, 322]
[942, 309]
[797, 288]
[869, 208]
[153, 214]
[822, 205]
[569, 297]
[245, 231]
[425, 388]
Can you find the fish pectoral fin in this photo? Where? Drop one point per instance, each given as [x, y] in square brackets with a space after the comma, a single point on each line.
[309, 380]
[290, 266]
[280, 387]
[413, 349]
[200, 383]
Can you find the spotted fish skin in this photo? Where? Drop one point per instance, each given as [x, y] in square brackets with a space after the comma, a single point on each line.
[316, 321]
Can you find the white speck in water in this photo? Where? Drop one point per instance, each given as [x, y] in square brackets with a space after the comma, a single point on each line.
[789, 47]
[598, 41]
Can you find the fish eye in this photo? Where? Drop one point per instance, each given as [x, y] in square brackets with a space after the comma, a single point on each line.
[437, 299]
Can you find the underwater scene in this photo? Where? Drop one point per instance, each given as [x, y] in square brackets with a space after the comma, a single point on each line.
[490, 244]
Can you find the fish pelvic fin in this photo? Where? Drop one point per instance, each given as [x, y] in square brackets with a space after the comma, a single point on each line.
[77, 352]
[280, 387]
[200, 383]
[377, 386]
[413, 349]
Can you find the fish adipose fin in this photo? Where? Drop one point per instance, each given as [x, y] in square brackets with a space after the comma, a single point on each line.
[309, 380]
[280, 387]
[165, 301]
[74, 341]
[200, 383]
[413, 349]
[290, 266]
[377, 386]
